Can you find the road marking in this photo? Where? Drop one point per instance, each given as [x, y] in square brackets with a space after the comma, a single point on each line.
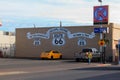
[12, 73]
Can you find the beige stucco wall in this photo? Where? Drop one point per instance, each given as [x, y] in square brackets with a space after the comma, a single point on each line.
[7, 39]
[115, 38]
[26, 48]
[7, 44]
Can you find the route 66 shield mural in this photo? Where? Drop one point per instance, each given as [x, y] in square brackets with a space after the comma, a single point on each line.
[58, 39]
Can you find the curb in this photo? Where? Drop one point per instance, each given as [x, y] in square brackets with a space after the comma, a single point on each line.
[102, 65]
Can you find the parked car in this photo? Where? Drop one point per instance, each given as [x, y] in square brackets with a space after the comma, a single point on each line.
[52, 54]
[96, 55]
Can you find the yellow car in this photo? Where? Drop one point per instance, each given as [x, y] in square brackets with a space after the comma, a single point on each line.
[52, 54]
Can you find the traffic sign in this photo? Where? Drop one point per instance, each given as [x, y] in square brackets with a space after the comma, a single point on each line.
[100, 30]
[97, 30]
[101, 42]
[101, 14]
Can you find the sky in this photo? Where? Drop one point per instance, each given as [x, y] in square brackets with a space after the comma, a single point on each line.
[48, 13]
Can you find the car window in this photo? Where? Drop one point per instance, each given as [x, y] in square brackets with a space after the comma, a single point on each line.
[55, 52]
[86, 50]
[47, 51]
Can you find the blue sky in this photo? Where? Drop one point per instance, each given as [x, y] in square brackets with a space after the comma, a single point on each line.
[48, 13]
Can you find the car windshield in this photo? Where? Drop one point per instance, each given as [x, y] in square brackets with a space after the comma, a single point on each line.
[86, 50]
[47, 51]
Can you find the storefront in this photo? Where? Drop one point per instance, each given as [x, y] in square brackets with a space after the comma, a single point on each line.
[30, 42]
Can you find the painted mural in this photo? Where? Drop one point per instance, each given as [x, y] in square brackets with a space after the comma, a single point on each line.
[58, 35]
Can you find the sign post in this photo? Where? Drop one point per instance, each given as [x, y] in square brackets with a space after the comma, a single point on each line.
[100, 18]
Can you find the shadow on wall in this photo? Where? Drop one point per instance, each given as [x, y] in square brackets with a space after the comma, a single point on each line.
[1, 54]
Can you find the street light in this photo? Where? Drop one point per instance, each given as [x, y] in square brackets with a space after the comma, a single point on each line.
[100, 1]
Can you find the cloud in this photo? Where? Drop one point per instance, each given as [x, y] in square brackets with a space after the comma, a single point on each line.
[46, 11]
[68, 10]
[73, 10]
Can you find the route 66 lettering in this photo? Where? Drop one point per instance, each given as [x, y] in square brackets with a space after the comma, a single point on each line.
[58, 39]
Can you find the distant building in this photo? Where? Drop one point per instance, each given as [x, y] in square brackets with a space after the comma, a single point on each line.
[30, 42]
[7, 43]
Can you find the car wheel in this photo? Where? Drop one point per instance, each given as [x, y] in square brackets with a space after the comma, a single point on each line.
[51, 57]
[42, 58]
[77, 59]
[61, 57]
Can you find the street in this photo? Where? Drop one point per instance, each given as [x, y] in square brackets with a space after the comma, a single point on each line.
[26, 69]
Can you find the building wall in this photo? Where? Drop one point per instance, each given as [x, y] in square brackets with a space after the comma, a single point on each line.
[49, 39]
[7, 43]
[115, 37]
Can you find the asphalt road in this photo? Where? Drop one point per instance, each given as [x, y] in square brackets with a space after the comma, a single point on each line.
[25, 69]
